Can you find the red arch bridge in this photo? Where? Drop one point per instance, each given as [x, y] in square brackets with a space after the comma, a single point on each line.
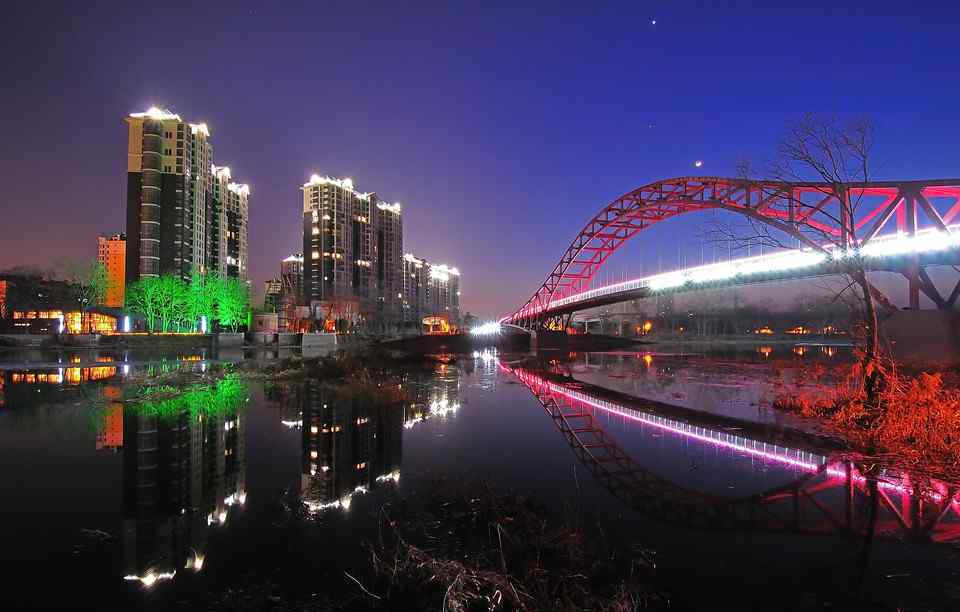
[902, 227]
[830, 497]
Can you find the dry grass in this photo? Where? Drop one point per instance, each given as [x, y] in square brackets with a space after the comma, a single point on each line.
[485, 551]
[916, 418]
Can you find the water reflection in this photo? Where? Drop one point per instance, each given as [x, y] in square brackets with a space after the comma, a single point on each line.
[822, 496]
[736, 383]
[184, 467]
[352, 437]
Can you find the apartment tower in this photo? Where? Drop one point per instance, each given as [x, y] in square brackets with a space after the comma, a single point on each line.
[352, 248]
[184, 214]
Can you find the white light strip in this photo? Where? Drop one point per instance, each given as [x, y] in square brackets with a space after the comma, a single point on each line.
[890, 245]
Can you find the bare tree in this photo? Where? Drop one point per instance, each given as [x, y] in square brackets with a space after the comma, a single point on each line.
[834, 158]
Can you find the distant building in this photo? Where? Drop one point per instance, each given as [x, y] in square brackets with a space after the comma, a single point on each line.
[429, 290]
[184, 215]
[271, 294]
[112, 253]
[291, 280]
[291, 293]
[352, 247]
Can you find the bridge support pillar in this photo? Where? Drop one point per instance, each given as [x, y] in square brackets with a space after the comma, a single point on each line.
[534, 344]
[913, 269]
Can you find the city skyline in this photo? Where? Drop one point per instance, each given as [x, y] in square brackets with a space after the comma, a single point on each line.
[489, 140]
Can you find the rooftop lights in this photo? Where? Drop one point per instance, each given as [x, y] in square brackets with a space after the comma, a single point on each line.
[200, 128]
[394, 208]
[157, 114]
[241, 189]
[316, 179]
[221, 171]
[443, 272]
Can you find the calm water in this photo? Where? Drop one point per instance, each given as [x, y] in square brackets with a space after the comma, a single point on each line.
[111, 503]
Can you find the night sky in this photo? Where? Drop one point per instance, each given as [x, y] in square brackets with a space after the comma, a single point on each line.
[501, 128]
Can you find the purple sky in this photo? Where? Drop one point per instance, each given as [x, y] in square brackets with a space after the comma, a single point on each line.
[501, 127]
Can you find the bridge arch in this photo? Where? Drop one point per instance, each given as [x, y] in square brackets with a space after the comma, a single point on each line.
[810, 212]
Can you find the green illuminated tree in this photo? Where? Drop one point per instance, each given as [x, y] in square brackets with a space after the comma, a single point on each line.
[173, 302]
[232, 302]
[144, 298]
[201, 299]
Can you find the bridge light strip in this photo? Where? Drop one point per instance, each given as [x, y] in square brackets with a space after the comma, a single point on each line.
[487, 329]
[797, 458]
[927, 240]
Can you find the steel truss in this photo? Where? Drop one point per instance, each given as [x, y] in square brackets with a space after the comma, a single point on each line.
[808, 211]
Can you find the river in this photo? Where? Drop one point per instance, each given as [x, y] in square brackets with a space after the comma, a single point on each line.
[168, 502]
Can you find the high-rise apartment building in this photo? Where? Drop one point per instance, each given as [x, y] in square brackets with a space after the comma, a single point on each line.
[429, 290]
[352, 248]
[184, 214]
[388, 233]
[112, 253]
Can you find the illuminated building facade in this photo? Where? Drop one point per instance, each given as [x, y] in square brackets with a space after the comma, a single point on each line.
[291, 292]
[184, 215]
[352, 247]
[271, 294]
[112, 253]
[429, 290]
[291, 279]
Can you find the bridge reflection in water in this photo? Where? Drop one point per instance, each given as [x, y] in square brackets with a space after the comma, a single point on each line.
[831, 496]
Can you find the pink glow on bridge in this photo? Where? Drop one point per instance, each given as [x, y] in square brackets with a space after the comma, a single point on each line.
[890, 245]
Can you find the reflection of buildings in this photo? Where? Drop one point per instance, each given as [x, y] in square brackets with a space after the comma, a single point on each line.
[110, 432]
[349, 445]
[181, 472]
[26, 387]
[434, 395]
[352, 444]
